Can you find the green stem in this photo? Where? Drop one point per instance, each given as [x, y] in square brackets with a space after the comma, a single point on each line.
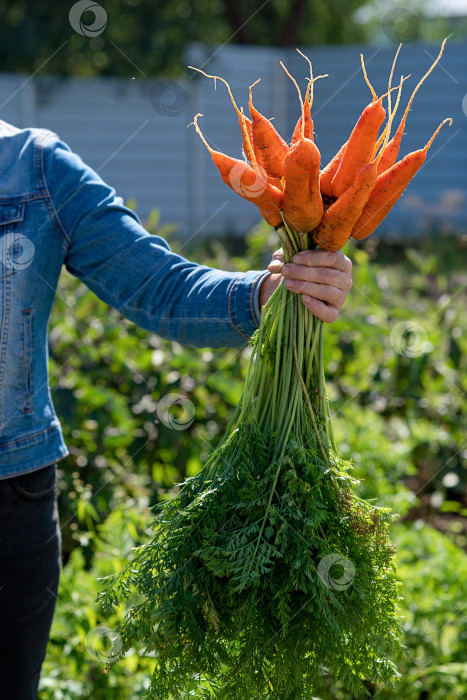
[285, 436]
[305, 393]
[294, 241]
[312, 360]
[277, 367]
[325, 400]
[287, 363]
[249, 378]
[285, 238]
[266, 377]
[268, 313]
[292, 408]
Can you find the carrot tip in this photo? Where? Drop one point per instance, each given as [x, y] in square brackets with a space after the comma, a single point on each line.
[200, 133]
[309, 89]
[448, 119]
[299, 97]
[419, 84]
[215, 78]
[251, 93]
[373, 93]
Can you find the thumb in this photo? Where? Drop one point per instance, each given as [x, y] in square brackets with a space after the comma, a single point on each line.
[277, 261]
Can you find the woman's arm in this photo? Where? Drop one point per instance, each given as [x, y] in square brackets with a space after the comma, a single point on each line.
[138, 274]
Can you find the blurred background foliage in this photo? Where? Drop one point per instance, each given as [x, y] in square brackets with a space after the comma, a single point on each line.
[400, 408]
[143, 38]
[401, 416]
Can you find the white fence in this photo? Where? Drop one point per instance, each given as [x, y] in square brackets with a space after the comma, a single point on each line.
[134, 132]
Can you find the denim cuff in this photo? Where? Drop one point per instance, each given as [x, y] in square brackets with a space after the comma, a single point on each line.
[258, 283]
[244, 311]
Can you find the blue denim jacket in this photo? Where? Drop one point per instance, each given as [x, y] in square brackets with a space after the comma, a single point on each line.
[55, 210]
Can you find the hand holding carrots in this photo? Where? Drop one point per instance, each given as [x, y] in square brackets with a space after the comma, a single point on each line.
[323, 279]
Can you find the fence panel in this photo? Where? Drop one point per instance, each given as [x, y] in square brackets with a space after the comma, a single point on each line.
[134, 132]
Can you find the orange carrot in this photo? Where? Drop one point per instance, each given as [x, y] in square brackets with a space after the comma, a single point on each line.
[245, 180]
[239, 112]
[308, 129]
[275, 182]
[330, 170]
[270, 148]
[302, 207]
[326, 176]
[392, 149]
[389, 187]
[250, 155]
[360, 144]
[272, 218]
[338, 221]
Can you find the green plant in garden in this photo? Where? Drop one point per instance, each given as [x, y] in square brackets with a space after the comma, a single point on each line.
[434, 616]
[239, 587]
[433, 609]
[408, 418]
[81, 637]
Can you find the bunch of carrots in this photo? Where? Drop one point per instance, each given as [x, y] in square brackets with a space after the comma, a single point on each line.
[266, 572]
[348, 198]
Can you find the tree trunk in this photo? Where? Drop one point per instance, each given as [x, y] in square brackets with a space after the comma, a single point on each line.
[239, 21]
[300, 12]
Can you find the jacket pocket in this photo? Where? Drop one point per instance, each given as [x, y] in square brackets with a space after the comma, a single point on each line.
[26, 362]
[11, 242]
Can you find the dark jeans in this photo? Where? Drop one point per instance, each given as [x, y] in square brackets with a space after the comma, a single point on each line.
[29, 572]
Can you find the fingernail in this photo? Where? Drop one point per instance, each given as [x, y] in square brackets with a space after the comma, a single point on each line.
[285, 268]
[289, 284]
[297, 258]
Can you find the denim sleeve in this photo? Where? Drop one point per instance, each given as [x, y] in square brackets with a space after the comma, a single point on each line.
[136, 272]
